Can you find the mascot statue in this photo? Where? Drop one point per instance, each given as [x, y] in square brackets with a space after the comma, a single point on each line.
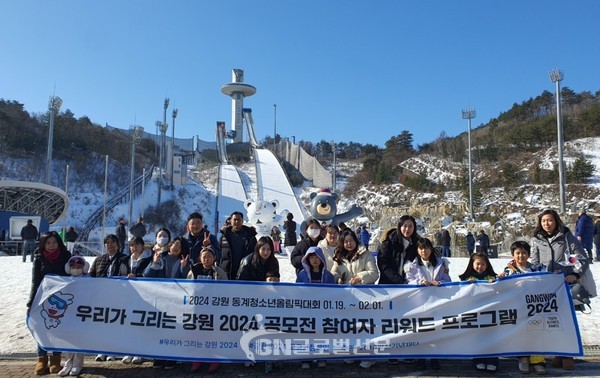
[324, 209]
[262, 215]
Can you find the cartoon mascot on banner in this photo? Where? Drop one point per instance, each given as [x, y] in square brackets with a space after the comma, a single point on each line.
[54, 308]
[262, 215]
[324, 209]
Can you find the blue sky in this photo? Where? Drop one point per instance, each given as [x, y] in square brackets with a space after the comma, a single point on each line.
[341, 70]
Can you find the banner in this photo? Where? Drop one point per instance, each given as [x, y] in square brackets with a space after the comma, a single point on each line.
[530, 314]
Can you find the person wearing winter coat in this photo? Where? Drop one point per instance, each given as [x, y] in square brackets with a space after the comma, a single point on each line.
[49, 258]
[597, 238]
[312, 239]
[521, 251]
[553, 245]
[109, 263]
[397, 248]
[470, 243]
[75, 267]
[138, 229]
[484, 241]
[121, 233]
[290, 231]
[237, 242]
[134, 264]
[198, 237]
[364, 236]
[262, 261]
[173, 264]
[584, 230]
[446, 243]
[428, 269]
[354, 265]
[328, 245]
[315, 268]
[206, 269]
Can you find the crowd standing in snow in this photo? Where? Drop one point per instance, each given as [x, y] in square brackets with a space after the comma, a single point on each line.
[326, 254]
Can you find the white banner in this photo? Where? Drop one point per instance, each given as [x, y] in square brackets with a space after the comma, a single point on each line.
[238, 321]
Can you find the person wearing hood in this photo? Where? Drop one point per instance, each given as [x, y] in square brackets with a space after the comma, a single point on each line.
[398, 247]
[315, 268]
[76, 267]
[552, 244]
[314, 272]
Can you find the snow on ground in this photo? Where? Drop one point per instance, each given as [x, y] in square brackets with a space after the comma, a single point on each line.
[15, 337]
[588, 147]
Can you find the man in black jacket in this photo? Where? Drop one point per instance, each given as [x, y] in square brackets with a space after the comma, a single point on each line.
[29, 234]
[237, 242]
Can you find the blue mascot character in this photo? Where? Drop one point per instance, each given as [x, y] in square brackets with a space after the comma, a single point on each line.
[324, 209]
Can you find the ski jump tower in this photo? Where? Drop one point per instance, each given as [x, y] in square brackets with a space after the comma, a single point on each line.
[237, 90]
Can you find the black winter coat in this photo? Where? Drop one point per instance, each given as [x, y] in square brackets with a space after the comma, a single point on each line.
[41, 267]
[391, 258]
[230, 259]
[299, 251]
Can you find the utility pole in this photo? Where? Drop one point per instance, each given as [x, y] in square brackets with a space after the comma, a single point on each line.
[468, 114]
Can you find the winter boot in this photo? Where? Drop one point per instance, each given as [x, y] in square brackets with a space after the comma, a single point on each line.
[41, 367]
[556, 362]
[66, 369]
[54, 363]
[568, 363]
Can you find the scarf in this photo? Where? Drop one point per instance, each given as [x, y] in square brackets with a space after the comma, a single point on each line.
[52, 256]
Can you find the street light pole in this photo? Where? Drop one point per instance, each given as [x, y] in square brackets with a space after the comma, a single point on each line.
[468, 114]
[163, 139]
[163, 129]
[54, 105]
[334, 179]
[174, 115]
[274, 127]
[136, 135]
[105, 194]
[556, 77]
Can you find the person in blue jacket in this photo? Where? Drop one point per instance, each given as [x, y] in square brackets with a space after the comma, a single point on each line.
[315, 268]
[584, 230]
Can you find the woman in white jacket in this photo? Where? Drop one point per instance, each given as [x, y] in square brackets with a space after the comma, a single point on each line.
[351, 264]
[328, 245]
[354, 266]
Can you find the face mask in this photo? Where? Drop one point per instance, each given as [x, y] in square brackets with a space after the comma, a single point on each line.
[314, 232]
[162, 240]
[76, 272]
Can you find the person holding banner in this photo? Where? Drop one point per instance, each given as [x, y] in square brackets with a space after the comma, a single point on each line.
[558, 249]
[108, 265]
[49, 258]
[399, 246]
[480, 268]
[354, 266]
[206, 269]
[428, 268]
[520, 251]
[259, 266]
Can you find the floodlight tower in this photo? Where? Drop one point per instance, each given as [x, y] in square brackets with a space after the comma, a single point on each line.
[54, 105]
[468, 114]
[556, 77]
[237, 90]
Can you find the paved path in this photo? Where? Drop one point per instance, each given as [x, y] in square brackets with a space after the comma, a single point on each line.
[586, 367]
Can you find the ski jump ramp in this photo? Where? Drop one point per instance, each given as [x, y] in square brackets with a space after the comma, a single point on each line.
[231, 194]
[272, 183]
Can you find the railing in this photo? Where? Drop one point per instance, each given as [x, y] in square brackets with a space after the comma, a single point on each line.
[121, 196]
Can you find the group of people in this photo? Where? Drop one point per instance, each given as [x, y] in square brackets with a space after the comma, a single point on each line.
[334, 256]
